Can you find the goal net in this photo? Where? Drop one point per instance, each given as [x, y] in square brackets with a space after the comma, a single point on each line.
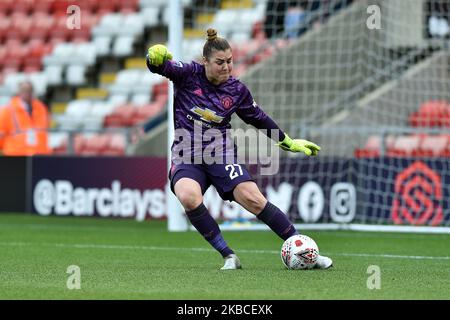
[366, 80]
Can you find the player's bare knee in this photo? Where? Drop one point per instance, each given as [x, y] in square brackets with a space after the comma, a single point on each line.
[256, 203]
[189, 199]
[253, 199]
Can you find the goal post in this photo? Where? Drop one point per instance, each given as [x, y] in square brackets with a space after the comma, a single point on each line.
[176, 220]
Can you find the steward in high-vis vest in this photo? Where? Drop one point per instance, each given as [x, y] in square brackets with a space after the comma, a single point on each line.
[23, 125]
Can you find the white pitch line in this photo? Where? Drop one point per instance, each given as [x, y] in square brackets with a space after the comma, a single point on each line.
[135, 247]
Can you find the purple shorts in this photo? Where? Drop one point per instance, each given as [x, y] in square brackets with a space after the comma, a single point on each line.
[224, 177]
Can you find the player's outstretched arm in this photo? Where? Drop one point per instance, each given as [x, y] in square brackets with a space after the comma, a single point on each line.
[158, 54]
[299, 145]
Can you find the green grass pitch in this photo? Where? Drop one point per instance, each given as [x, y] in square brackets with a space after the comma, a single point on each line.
[124, 259]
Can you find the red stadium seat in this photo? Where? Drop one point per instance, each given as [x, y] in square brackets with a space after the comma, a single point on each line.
[59, 7]
[446, 151]
[37, 48]
[372, 147]
[10, 69]
[96, 144]
[3, 54]
[107, 6]
[121, 117]
[433, 113]
[5, 25]
[15, 57]
[6, 6]
[79, 142]
[258, 30]
[405, 146]
[62, 148]
[161, 88]
[128, 6]
[20, 28]
[60, 30]
[116, 146]
[432, 146]
[145, 113]
[42, 6]
[42, 24]
[24, 6]
[86, 6]
[32, 65]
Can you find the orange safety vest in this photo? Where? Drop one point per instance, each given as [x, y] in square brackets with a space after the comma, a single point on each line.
[22, 134]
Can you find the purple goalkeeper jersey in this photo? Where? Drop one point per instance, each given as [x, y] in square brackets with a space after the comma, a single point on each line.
[200, 105]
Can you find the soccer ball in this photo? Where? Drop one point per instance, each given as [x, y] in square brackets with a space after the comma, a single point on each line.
[299, 252]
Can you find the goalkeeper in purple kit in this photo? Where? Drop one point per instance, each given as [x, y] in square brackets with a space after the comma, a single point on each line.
[207, 95]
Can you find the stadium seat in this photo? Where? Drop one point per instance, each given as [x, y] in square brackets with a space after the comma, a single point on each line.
[405, 146]
[433, 113]
[88, 6]
[12, 81]
[42, 6]
[6, 6]
[160, 89]
[372, 148]
[60, 30]
[116, 146]
[432, 146]
[75, 75]
[54, 74]
[5, 25]
[39, 81]
[61, 55]
[145, 112]
[57, 141]
[95, 144]
[96, 116]
[132, 25]
[107, 6]
[123, 46]
[102, 45]
[74, 115]
[152, 3]
[23, 6]
[127, 6]
[109, 25]
[85, 53]
[150, 16]
[121, 116]
[140, 98]
[117, 99]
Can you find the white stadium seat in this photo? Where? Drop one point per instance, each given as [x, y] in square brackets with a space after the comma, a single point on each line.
[150, 16]
[123, 46]
[75, 74]
[54, 74]
[102, 45]
[133, 24]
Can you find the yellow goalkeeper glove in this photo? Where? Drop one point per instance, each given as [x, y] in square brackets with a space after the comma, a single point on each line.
[299, 145]
[158, 54]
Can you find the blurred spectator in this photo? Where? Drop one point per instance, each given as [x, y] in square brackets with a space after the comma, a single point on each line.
[291, 18]
[294, 20]
[23, 124]
[275, 12]
[438, 17]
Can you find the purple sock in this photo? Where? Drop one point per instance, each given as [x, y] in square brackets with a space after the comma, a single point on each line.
[208, 228]
[277, 221]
